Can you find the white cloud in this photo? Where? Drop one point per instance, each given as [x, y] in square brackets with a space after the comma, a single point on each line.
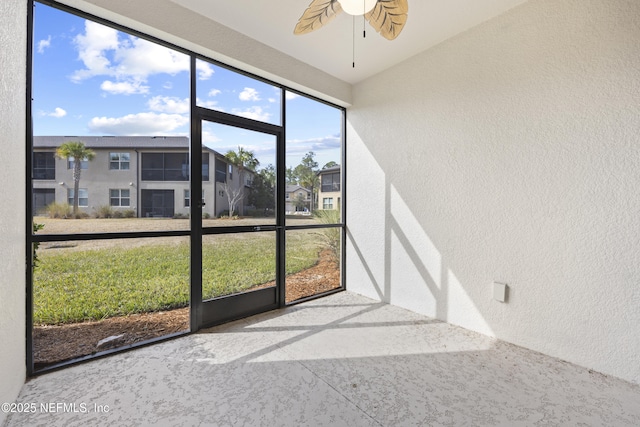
[254, 113]
[124, 88]
[57, 113]
[141, 58]
[212, 105]
[249, 94]
[91, 50]
[169, 104]
[291, 95]
[175, 105]
[302, 146]
[43, 44]
[105, 52]
[205, 71]
[167, 85]
[138, 124]
[209, 138]
[214, 92]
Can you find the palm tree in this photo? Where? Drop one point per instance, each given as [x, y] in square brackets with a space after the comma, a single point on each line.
[308, 175]
[243, 160]
[77, 151]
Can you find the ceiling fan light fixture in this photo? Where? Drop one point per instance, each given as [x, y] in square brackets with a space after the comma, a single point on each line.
[357, 7]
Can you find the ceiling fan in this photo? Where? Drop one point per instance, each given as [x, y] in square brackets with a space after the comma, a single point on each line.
[386, 16]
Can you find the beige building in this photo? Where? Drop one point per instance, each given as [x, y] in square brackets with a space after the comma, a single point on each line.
[329, 192]
[148, 175]
[297, 200]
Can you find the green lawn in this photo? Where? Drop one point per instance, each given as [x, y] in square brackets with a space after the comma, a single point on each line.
[93, 284]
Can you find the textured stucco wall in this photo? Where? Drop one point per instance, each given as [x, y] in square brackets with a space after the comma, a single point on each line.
[509, 153]
[12, 212]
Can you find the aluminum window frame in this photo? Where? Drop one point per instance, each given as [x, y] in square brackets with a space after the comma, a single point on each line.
[34, 239]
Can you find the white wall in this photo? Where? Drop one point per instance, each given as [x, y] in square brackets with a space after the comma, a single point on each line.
[510, 153]
[12, 209]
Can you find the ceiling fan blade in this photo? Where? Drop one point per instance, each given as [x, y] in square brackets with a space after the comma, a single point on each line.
[317, 14]
[388, 17]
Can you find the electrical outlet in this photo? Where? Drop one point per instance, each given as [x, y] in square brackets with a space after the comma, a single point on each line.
[500, 291]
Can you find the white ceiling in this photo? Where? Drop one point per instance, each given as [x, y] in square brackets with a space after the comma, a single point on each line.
[330, 48]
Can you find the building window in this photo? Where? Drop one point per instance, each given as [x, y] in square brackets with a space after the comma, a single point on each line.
[43, 197]
[83, 197]
[44, 165]
[331, 182]
[120, 198]
[221, 171]
[230, 172]
[205, 166]
[84, 163]
[157, 203]
[119, 161]
[327, 203]
[170, 166]
[165, 166]
[187, 198]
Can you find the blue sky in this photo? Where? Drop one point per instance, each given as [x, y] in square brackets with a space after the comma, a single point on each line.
[89, 79]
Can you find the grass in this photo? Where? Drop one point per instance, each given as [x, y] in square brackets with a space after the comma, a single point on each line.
[95, 284]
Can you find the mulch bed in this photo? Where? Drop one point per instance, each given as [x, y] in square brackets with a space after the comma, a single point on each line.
[57, 343]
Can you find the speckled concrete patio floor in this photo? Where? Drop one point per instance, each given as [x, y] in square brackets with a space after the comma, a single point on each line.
[344, 360]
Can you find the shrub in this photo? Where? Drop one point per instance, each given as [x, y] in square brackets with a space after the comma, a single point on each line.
[36, 245]
[129, 213]
[180, 216]
[117, 214]
[104, 211]
[58, 210]
[225, 214]
[206, 215]
[330, 236]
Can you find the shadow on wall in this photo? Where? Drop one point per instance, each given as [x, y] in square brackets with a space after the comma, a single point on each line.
[391, 257]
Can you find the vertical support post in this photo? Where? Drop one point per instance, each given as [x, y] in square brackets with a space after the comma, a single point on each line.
[195, 165]
[281, 185]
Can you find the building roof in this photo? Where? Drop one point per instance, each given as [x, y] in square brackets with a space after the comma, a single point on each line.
[331, 169]
[114, 141]
[292, 188]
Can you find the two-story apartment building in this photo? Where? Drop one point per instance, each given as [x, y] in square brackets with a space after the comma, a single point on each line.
[329, 192]
[297, 199]
[146, 174]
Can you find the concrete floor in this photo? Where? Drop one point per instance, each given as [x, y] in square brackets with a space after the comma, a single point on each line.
[343, 360]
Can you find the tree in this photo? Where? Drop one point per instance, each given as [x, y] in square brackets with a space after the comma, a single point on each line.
[262, 194]
[308, 174]
[300, 202]
[243, 160]
[291, 177]
[329, 165]
[269, 175]
[77, 151]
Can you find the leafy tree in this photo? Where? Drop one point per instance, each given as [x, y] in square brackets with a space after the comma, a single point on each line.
[300, 202]
[307, 172]
[79, 152]
[291, 177]
[268, 174]
[243, 160]
[329, 165]
[262, 195]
